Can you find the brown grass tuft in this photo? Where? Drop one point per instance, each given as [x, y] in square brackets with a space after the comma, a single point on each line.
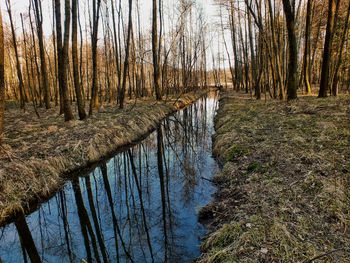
[37, 155]
[284, 189]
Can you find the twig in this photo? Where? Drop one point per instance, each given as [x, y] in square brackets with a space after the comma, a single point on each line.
[178, 97]
[134, 104]
[9, 154]
[209, 180]
[323, 255]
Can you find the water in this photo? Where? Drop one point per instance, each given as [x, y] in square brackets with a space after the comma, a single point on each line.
[139, 206]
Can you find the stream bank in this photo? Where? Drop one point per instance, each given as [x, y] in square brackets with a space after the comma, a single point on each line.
[284, 187]
[141, 205]
[38, 155]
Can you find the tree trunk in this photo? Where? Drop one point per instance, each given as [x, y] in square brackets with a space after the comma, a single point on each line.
[62, 56]
[307, 48]
[336, 71]
[292, 81]
[2, 78]
[156, 75]
[39, 28]
[94, 38]
[327, 51]
[18, 65]
[78, 92]
[126, 62]
[276, 63]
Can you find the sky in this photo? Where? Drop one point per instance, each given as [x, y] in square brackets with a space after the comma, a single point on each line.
[209, 9]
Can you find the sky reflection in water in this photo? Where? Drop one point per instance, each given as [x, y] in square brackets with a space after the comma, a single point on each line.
[148, 197]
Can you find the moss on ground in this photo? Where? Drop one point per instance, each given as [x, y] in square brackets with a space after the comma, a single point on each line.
[39, 154]
[285, 184]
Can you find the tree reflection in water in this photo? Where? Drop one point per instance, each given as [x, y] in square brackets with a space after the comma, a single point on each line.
[139, 206]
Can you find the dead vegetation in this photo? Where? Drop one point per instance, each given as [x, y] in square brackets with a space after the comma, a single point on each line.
[285, 185]
[37, 154]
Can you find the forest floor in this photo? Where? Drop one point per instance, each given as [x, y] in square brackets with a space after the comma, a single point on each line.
[37, 155]
[284, 190]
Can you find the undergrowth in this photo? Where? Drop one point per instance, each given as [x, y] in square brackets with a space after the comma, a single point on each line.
[284, 190]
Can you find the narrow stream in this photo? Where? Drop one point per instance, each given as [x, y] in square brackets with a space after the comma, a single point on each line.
[139, 206]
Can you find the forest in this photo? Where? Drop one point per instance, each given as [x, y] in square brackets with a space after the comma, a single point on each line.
[255, 91]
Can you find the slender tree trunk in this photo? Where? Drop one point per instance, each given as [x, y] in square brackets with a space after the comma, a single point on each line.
[116, 53]
[78, 92]
[94, 38]
[30, 87]
[2, 78]
[292, 81]
[39, 28]
[327, 51]
[307, 48]
[234, 45]
[336, 71]
[126, 62]
[253, 61]
[156, 75]
[276, 62]
[18, 65]
[62, 52]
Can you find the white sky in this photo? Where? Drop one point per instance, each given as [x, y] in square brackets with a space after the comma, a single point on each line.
[210, 13]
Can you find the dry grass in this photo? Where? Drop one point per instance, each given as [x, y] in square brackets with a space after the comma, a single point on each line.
[38, 155]
[285, 185]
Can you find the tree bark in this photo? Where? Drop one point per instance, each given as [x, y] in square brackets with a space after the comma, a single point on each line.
[307, 48]
[78, 91]
[2, 78]
[156, 75]
[336, 71]
[327, 51]
[126, 62]
[94, 38]
[292, 80]
[39, 28]
[18, 65]
[62, 56]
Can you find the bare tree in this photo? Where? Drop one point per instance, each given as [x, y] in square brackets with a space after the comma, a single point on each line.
[62, 55]
[18, 65]
[292, 81]
[43, 73]
[94, 37]
[155, 46]
[307, 48]
[334, 83]
[2, 78]
[327, 50]
[126, 62]
[78, 91]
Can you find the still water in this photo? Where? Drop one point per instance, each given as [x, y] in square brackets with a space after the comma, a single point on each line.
[139, 206]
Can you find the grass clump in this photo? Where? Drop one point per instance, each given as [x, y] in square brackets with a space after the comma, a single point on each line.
[284, 189]
[253, 167]
[234, 152]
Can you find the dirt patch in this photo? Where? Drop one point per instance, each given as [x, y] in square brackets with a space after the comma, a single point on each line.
[38, 155]
[284, 190]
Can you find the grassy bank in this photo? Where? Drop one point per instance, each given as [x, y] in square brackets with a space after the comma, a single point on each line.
[38, 155]
[284, 190]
